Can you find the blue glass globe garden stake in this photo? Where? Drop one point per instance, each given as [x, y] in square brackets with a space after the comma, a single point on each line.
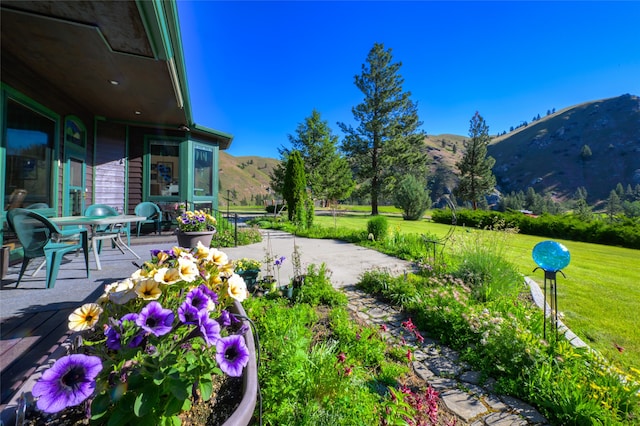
[551, 257]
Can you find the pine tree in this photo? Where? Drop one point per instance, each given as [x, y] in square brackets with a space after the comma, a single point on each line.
[328, 174]
[387, 144]
[476, 177]
[614, 205]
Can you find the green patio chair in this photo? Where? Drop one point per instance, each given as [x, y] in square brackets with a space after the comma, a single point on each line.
[104, 210]
[42, 238]
[152, 213]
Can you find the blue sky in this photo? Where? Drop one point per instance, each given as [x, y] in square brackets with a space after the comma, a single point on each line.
[258, 69]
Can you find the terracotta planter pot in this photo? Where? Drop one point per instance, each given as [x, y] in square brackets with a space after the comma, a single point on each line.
[190, 239]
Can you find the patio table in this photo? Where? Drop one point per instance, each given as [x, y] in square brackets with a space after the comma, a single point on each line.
[95, 221]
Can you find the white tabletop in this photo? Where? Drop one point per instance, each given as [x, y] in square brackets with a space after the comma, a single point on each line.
[96, 220]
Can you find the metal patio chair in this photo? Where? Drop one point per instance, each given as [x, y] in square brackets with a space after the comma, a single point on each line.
[42, 238]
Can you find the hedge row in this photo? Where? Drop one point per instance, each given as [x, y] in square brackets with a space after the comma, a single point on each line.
[623, 233]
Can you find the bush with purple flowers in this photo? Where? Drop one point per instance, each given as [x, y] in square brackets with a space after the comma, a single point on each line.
[153, 342]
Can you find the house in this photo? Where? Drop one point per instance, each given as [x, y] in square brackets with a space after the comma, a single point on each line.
[95, 109]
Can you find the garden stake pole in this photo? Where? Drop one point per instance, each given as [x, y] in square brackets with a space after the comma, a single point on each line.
[550, 277]
[551, 257]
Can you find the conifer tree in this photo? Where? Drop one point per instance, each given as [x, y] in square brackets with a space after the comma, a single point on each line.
[476, 177]
[387, 143]
[328, 174]
[295, 189]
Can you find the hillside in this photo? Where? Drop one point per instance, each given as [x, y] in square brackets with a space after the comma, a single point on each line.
[546, 154]
[244, 178]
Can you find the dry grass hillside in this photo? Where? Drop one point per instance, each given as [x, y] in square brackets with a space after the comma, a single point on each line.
[546, 154]
[245, 178]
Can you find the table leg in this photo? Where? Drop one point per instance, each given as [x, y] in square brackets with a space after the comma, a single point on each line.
[121, 245]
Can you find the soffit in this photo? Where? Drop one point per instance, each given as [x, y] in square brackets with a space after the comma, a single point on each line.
[79, 47]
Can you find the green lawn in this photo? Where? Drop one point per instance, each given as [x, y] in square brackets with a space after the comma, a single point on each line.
[600, 297]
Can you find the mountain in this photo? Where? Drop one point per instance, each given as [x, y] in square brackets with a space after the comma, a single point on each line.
[245, 178]
[549, 154]
[546, 154]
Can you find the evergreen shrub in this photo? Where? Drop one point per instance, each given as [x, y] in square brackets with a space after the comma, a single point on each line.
[378, 226]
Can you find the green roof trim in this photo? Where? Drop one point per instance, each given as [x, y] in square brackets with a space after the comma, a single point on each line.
[163, 29]
[224, 139]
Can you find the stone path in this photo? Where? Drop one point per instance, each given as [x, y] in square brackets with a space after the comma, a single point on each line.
[458, 385]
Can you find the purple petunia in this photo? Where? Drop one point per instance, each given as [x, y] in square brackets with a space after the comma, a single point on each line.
[208, 328]
[155, 320]
[115, 331]
[232, 355]
[170, 253]
[213, 296]
[113, 338]
[68, 382]
[188, 314]
[198, 299]
[224, 319]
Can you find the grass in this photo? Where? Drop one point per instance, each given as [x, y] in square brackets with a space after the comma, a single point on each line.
[599, 297]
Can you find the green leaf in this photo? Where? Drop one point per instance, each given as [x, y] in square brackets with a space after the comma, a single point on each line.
[100, 405]
[206, 389]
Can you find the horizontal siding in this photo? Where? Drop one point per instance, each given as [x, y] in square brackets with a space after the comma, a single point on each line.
[110, 166]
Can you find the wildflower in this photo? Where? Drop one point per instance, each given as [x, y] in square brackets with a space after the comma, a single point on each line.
[341, 357]
[409, 355]
[348, 371]
[148, 289]
[384, 327]
[85, 317]
[232, 355]
[237, 288]
[155, 320]
[69, 382]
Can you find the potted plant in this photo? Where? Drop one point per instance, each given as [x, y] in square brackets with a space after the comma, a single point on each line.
[195, 226]
[155, 343]
[248, 269]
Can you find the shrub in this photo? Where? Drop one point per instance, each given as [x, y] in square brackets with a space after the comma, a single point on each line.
[624, 233]
[317, 289]
[378, 227]
[412, 198]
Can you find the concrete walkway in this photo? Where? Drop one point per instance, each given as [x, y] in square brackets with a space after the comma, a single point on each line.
[438, 365]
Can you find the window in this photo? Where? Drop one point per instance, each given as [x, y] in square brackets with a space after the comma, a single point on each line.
[203, 171]
[30, 143]
[164, 171]
[75, 133]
